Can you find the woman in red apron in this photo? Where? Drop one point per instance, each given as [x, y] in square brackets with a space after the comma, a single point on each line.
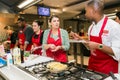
[37, 38]
[59, 55]
[55, 43]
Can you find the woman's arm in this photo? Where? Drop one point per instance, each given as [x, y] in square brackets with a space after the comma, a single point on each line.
[45, 45]
[44, 42]
[65, 40]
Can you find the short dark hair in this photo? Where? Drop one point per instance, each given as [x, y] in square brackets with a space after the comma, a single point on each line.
[118, 14]
[21, 19]
[97, 4]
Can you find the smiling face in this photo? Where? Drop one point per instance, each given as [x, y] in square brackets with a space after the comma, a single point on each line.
[55, 22]
[35, 27]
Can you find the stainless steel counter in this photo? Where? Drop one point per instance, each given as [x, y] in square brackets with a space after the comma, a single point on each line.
[14, 73]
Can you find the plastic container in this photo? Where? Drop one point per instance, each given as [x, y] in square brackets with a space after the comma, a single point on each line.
[2, 62]
[9, 59]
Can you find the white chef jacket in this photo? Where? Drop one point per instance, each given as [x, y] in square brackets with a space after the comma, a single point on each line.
[110, 36]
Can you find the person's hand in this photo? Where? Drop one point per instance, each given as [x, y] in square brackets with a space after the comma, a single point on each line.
[7, 42]
[91, 45]
[33, 49]
[56, 48]
[51, 46]
[75, 36]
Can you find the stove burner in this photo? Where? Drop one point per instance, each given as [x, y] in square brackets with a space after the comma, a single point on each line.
[41, 72]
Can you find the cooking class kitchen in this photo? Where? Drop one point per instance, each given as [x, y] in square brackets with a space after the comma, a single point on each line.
[59, 40]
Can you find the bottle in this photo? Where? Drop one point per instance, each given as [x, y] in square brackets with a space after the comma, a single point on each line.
[16, 55]
[9, 59]
[22, 56]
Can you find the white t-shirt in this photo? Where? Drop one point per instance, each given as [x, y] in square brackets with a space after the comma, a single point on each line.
[110, 36]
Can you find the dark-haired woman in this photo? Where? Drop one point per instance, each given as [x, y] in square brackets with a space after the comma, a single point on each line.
[56, 40]
[37, 37]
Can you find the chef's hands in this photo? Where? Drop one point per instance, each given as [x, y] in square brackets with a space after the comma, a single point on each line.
[54, 48]
[91, 45]
[75, 36]
[35, 48]
[32, 49]
[51, 46]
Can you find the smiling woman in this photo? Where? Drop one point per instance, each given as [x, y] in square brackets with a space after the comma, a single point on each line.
[37, 37]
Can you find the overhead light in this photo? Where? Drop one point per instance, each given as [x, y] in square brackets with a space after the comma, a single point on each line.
[34, 2]
[23, 4]
[28, 3]
[116, 10]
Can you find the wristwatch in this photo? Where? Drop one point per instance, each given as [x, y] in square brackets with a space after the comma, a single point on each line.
[100, 46]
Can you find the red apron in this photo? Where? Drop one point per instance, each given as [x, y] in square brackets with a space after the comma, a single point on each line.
[100, 61]
[21, 39]
[36, 43]
[59, 55]
[9, 36]
[11, 45]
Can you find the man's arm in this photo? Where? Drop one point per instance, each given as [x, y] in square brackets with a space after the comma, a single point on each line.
[28, 34]
[93, 46]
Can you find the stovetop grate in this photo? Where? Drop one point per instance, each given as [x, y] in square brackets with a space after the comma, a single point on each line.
[41, 72]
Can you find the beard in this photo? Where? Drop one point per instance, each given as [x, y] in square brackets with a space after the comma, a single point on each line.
[21, 27]
[91, 19]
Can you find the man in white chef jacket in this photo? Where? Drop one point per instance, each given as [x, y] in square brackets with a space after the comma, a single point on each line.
[104, 36]
[117, 19]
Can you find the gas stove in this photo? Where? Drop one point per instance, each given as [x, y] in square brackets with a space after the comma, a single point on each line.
[41, 72]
